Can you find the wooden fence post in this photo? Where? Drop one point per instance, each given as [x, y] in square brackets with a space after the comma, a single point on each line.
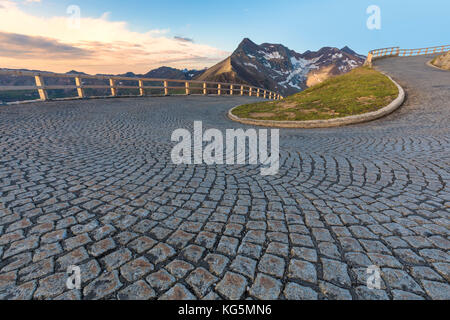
[79, 85]
[265, 94]
[368, 61]
[231, 89]
[242, 90]
[258, 92]
[205, 90]
[250, 91]
[186, 84]
[112, 84]
[219, 91]
[166, 88]
[141, 88]
[40, 84]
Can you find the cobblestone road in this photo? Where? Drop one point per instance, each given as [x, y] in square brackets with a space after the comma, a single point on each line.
[90, 183]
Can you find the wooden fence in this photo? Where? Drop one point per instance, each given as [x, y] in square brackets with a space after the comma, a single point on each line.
[113, 84]
[397, 52]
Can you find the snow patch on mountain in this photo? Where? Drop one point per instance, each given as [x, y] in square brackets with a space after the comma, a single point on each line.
[250, 65]
[272, 55]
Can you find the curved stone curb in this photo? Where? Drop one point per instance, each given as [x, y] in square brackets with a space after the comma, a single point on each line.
[430, 64]
[337, 122]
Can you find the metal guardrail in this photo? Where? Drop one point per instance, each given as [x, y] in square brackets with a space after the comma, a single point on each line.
[188, 86]
[397, 52]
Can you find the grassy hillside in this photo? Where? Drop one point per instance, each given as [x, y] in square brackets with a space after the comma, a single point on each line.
[359, 91]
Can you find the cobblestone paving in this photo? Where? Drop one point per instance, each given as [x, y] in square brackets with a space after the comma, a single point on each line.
[90, 183]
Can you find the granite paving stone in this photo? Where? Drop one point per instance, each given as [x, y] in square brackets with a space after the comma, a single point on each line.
[97, 189]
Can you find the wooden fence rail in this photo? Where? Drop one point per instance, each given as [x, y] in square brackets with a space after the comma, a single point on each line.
[115, 84]
[397, 52]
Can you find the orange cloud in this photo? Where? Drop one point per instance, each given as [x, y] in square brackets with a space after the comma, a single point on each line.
[94, 45]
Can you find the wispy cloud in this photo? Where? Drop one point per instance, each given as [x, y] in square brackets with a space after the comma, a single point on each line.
[98, 46]
[30, 47]
[183, 39]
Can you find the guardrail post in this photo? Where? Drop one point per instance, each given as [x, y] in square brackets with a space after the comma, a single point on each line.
[242, 90]
[188, 92]
[219, 91]
[112, 84]
[250, 90]
[141, 88]
[40, 84]
[231, 89]
[166, 88]
[265, 94]
[258, 92]
[205, 90]
[79, 85]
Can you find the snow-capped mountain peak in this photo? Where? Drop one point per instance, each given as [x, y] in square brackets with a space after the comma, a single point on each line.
[276, 67]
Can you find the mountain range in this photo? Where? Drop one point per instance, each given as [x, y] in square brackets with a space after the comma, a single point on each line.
[270, 66]
[277, 68]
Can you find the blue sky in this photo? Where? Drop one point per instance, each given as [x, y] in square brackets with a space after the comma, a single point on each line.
[298, 24]
[217, 27]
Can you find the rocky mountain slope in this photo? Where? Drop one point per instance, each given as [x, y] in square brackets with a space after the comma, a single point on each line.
[276, 67]
[171, 73]
[442, 61]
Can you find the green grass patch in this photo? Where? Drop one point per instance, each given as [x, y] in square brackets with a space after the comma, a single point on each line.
[360, 91]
